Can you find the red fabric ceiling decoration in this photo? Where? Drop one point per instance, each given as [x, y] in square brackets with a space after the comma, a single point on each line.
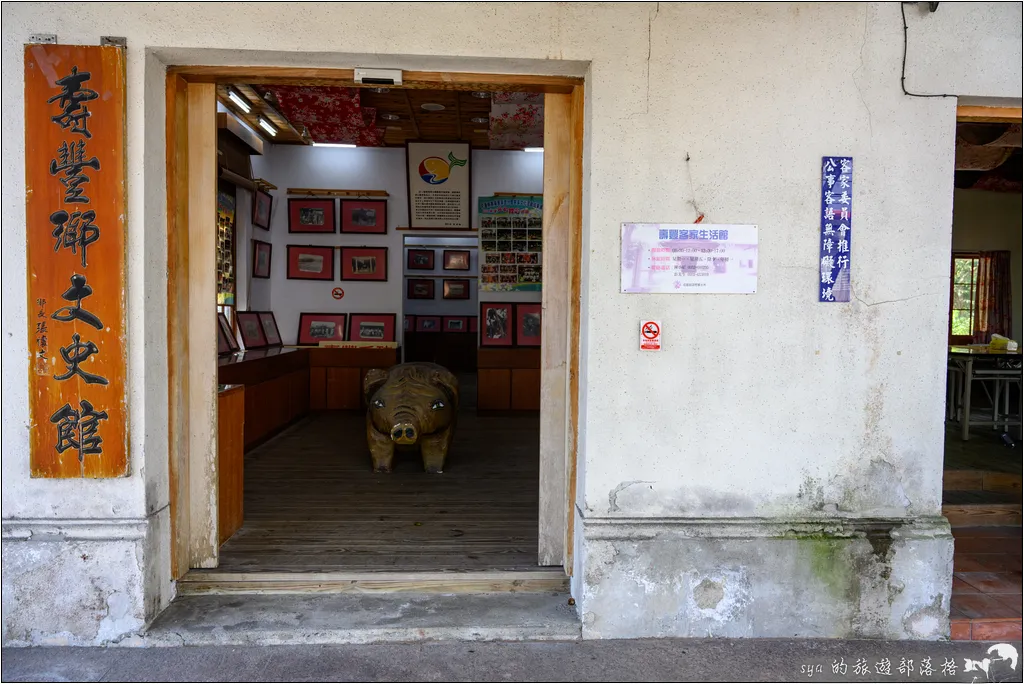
[330, 114]
[517, 120]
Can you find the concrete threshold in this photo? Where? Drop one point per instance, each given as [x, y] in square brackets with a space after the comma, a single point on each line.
[347, 618]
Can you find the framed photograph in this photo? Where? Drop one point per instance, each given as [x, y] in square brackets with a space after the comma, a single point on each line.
[364, 216]
[456, 260]
[315, 328]
[310, 215]
[306, 262]
[364, 263]
[261, 259]
[222, 343]
[428, 324]
[420, 260]
[229, 334]
[528, 325]
[420, 288]
[251, 329]
[409, 323]
[364, 327]
[439, 185]
[261, 204]
[456, 289]
[270, 330]
[496, 324]
[455, 323]
[472, 324]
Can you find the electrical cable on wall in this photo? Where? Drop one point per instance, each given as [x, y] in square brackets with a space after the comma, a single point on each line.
[903, 71]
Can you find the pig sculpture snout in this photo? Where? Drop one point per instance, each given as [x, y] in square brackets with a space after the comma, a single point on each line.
[404, 433]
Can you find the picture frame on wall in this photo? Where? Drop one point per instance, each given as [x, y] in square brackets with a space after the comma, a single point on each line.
[229, 334]
[366, 327]
[420, 260]
[419, 288]
[262, 202]
[251, 329]
[456, 260]
[315, 328]
[409, 323]
[222, 343]
[457, 324]
[307, 215]
[496, 323]
[270, 330]
[428, 324]
[364, 216]
[455, 288]
[528, 325]
[438, 175]
[364, 263]
[310, 262]
[261, 252]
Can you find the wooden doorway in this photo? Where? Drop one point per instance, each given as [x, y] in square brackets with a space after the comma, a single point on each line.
[192, 332]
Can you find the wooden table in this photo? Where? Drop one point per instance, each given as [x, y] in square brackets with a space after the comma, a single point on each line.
[962, 359]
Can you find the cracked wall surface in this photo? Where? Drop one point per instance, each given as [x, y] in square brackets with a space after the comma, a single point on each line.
[761, 409]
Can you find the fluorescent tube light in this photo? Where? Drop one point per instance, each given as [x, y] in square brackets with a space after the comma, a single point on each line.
[265, 125]
[533, 149]
[316, 144]
[239, 100]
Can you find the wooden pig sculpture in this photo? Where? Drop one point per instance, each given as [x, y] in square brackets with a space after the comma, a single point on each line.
[411, 405]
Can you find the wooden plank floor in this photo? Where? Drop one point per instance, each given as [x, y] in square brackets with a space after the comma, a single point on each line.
[312, 503]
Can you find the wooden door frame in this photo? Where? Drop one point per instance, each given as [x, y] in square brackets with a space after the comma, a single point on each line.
[191, 217]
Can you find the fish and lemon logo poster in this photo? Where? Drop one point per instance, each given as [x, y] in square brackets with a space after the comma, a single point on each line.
[439, 196]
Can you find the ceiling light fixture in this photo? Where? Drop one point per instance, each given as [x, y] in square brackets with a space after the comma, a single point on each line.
[267, 126]
[432, 106]
[316, 144]
[481, 94]
[388, 116]
[242, 103]
[480, 119]
[533, 149]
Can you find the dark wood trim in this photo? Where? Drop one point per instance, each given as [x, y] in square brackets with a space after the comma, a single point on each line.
[984, 114]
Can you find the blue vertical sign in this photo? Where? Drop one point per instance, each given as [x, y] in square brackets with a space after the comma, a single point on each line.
[836, 215]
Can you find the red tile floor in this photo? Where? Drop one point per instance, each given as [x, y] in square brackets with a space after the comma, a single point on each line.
[986, 603]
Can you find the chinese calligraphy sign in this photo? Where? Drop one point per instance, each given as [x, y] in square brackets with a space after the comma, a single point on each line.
[836, 222]
[75, 229]
[680, 258]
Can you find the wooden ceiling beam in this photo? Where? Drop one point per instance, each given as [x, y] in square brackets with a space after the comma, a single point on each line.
[982, 114]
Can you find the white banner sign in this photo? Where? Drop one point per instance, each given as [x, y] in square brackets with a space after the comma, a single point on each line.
[439, 185]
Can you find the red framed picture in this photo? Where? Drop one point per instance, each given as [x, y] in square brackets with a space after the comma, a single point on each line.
[364, 327]
[419, 288]
[306, 262]
[364, 263]
[310, 215]
[455, 324]
[270, 330]
[251, 329]
[528, 325]
[472, 324]
[261, 204]
[420, 260]
[456, 260]
[496, 321]
[456, 289]
[229, 334]
[409, 323]
[261, 258]
[428, 324]
[364, 216]
[315, 328]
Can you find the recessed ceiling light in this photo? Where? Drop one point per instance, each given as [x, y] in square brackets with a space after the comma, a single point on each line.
[388, 116]
[380, 90]
[480, 119]
[316, 144]
[432, 106]
[481, 94]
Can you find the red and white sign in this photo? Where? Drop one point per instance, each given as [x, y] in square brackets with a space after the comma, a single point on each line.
[650, 335]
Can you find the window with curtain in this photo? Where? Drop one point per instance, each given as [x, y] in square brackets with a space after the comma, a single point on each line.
[979, 297]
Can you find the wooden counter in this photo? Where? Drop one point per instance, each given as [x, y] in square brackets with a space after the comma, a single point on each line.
[508, 379]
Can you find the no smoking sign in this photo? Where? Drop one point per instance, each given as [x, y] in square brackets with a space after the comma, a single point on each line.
[650, 335]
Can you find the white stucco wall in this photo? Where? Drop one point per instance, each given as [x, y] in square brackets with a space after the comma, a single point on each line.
[764, 405]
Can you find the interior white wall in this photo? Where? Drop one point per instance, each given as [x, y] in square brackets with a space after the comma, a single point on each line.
[984, 220]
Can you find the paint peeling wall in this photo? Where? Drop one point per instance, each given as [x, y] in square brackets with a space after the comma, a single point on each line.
[761, 408]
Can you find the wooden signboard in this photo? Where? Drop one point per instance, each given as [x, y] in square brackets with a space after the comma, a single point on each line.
[75, 228]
